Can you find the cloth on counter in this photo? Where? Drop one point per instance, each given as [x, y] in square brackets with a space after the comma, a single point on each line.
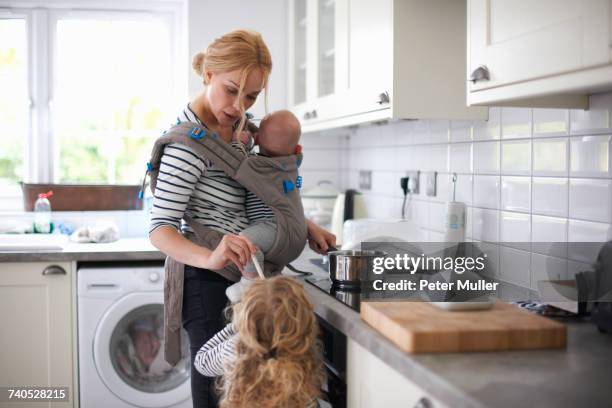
[101, 232]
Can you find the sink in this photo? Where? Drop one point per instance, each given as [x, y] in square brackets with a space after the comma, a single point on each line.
[29, 242]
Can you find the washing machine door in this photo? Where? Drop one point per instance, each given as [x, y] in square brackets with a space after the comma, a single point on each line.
[129, 353]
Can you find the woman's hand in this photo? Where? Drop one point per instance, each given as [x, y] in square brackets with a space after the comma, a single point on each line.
[234, 249]
[319, 239]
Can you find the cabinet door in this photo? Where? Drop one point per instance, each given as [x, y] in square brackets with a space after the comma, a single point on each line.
[371, 383]
[522, 40]
[36, 321]
[370, 56]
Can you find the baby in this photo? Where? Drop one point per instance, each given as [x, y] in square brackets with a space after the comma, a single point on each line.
[278, 135]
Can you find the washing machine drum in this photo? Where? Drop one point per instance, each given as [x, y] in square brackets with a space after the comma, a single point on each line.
[129, 353]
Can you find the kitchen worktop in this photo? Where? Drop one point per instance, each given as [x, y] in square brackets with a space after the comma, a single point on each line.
[577, 376]
[126, 249]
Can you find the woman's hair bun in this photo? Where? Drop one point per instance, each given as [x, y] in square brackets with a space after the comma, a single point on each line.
[198, 63]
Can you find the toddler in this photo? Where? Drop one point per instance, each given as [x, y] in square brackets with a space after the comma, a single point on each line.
[278, 135]
[270, 355]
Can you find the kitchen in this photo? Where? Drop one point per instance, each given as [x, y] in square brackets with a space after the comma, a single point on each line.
[382, 92]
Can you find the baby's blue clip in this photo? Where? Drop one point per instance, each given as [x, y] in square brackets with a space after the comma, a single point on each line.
[288, 186]
[178, 121]
[215, 135]
[298, 182]
[298, 162]
[141, 194]
[249, 115]
[197, 133]
[149, 166]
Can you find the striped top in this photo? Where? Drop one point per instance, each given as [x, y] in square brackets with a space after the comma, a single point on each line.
[191, 185]
[217, 352]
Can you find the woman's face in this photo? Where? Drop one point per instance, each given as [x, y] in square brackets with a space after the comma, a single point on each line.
[222, 94]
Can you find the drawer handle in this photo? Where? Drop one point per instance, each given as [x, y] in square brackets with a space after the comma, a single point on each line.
[54, 270]
[310, 115]
[423, 403]
[480, 74]
[383, 98]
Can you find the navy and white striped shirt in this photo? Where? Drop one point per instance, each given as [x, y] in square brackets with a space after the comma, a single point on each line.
[190, 185]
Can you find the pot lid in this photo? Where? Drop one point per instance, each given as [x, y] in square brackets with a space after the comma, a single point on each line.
[323, 189]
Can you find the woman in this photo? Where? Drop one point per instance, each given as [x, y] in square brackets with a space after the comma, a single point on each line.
[235, 70]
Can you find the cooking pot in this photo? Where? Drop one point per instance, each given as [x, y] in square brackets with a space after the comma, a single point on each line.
[351, 268]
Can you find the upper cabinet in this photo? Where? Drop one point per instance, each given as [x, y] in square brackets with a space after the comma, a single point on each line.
[353, 61]
[544, 53]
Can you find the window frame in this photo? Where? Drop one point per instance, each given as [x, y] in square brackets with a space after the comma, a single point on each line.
[41, 18]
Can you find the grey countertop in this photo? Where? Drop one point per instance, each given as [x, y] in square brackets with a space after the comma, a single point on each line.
[580, 375]
[126, 249]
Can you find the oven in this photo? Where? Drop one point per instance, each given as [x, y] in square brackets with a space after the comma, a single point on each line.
[334, 357]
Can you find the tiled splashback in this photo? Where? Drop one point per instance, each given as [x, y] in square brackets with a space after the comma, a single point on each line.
[527, 175]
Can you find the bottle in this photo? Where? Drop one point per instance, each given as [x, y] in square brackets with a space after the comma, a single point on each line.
[42, 214]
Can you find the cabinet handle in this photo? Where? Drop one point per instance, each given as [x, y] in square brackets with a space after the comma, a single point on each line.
[314, 113]
[53, 270]
[383, 98]
[307, 116]
[480, 74]
[424, 402]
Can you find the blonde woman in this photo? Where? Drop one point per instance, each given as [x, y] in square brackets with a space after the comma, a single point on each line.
[269, 356]
[235, 70]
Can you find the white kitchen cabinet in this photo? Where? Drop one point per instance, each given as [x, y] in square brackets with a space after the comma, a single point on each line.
[36, 346]
[372, 383]
[543, 53]
[353, 61]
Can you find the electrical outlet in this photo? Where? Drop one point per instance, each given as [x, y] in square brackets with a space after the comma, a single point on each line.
[430, 183]
[413, 181]
[365, 180]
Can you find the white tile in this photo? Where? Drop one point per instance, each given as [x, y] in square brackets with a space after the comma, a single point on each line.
[590, 199]
[590, 156]
[438, 158]
[418, 211]
[516, 193]
[320, 159]
[438, 131]
[550, 157]
[442, 188]
[381, 158]
[460, 131]
[515, 230]
[486, 158]
[489, 129]
[463, 192]
[550, 122]
[460, 158]
[516, 123]
[486, 191]
[516, 158]
[596, 119]
[545, 268]
[138, 224]
[590, 233]
[485, 225]
[549, 235]
[421, 132]
[550, 196]
[515, 266]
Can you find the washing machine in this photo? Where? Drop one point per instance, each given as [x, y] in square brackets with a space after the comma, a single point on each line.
[120, 335]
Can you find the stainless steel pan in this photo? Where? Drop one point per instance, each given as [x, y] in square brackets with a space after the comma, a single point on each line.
[351, 268]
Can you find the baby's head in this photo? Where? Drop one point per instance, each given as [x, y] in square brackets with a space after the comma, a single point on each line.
[279, 134]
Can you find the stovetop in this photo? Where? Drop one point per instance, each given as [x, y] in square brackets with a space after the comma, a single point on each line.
[348, 296]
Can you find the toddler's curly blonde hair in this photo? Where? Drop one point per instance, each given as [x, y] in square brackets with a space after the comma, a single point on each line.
[278, 355]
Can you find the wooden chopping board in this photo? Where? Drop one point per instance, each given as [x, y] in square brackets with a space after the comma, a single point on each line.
[418, 327]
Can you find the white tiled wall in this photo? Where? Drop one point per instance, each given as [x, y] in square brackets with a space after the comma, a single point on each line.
[527, 175]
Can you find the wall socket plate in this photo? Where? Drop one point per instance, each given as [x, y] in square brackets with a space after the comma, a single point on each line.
[430, 183]
[365, 180]
[413, 181]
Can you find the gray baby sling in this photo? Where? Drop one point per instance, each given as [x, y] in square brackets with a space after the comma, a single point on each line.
[274, 180]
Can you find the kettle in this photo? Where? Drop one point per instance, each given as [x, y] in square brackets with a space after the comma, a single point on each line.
[349, 205]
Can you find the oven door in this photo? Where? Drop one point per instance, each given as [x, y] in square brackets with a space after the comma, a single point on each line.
[334, 357]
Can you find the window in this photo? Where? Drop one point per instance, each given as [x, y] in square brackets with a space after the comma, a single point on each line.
[87, 93]
[13, 104]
